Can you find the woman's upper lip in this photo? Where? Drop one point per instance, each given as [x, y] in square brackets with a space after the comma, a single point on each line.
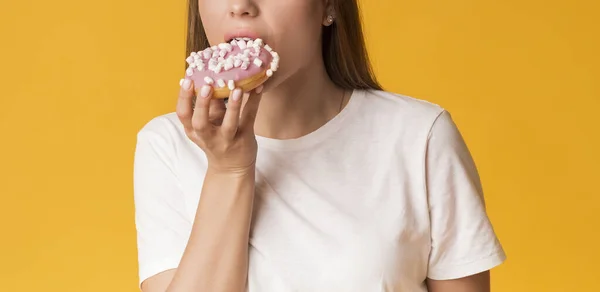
[239, 33]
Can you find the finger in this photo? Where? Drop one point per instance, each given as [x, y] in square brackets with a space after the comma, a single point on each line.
[200, 120]
[184, 107]
[251, 109]
[216, 111]
[232, 116]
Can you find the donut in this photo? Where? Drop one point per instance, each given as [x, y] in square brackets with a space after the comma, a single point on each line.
[241, 63]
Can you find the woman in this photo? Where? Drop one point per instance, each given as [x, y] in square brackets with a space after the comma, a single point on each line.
[330, 185]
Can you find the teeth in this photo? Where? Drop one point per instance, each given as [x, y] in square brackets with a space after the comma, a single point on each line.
[258, 42]
[234, 43]
[250, 43]
[246, 39]
[208, 80]
[231, 85]
[221, 83]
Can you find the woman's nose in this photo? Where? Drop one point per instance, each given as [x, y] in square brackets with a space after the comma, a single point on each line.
[242, 8]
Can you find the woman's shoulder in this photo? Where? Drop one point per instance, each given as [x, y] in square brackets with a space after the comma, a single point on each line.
[399, 109]
[397, 102]
[164, 127]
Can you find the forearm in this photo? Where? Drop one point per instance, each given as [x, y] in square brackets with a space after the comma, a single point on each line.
[216, 257]
[475, 283]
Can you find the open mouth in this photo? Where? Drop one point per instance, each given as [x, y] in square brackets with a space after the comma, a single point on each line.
[239, 38]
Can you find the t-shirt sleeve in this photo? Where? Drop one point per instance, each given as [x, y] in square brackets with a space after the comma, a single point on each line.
[463, 241]
[162, 225]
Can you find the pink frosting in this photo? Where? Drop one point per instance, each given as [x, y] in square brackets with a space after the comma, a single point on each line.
[235, 73]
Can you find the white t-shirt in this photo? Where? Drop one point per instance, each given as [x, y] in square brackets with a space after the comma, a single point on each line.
[381, 197]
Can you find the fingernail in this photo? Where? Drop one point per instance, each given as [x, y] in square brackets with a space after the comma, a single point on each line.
[186, 84]
[259, 89]
[181, 82]
[237, 94]
[204, 91]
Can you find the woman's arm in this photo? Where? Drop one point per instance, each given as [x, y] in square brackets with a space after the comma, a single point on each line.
[464, 245]
[475, 283]
[216, 257]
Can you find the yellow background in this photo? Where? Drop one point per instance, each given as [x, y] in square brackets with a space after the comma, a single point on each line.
[79, 78]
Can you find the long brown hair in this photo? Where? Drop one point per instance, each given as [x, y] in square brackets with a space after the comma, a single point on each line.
[344, 50]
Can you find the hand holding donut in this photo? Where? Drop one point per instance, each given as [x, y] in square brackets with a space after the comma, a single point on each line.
[226, 137]
[227, 70]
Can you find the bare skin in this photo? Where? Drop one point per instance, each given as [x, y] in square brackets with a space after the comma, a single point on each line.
[475, 283]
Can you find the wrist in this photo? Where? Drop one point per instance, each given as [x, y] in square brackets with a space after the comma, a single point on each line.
[235, 172]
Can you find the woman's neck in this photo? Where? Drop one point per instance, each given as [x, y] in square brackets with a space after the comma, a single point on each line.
[305, 102]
